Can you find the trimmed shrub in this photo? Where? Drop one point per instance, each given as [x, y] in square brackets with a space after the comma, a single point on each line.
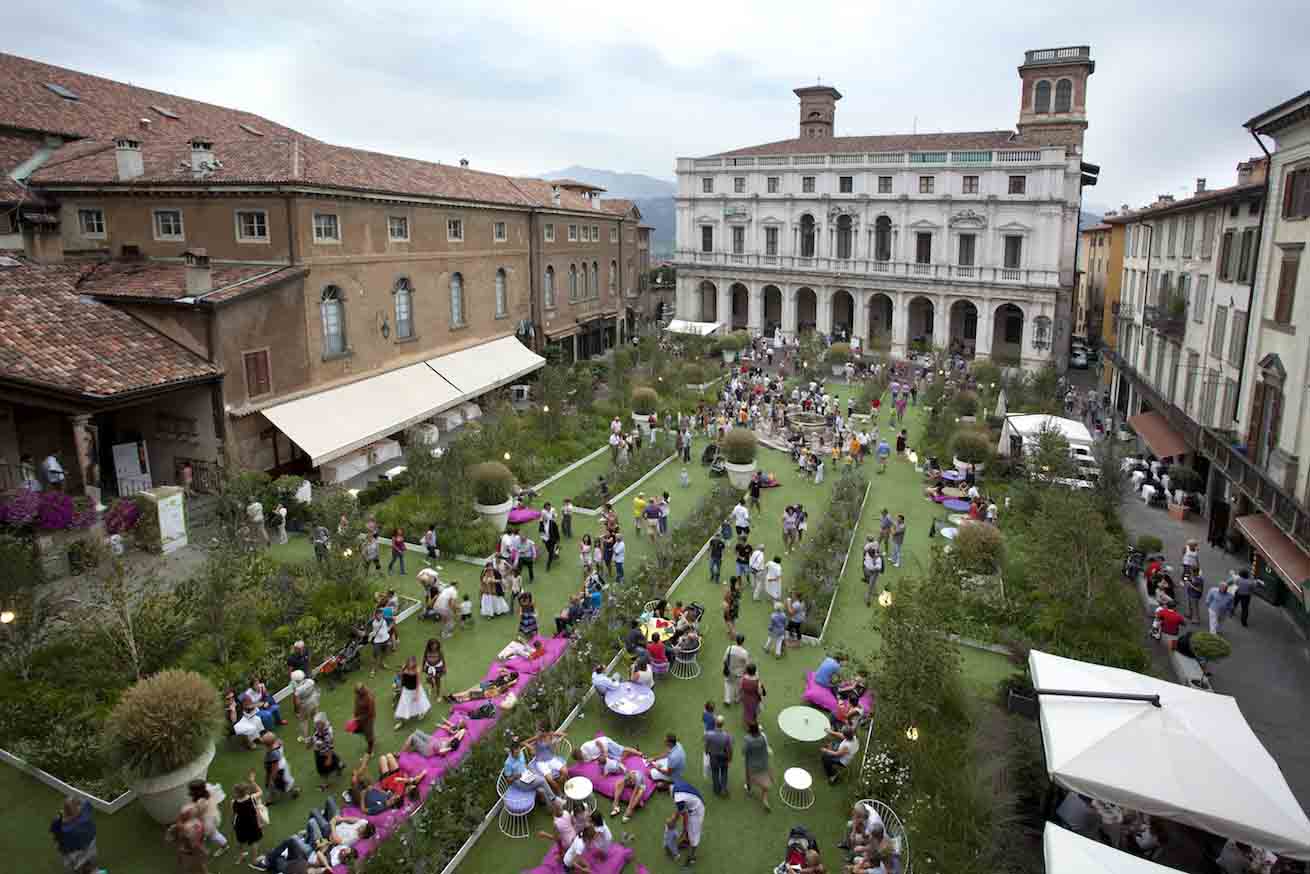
[492, 482]
[645, 400]
[162, 723]
[1149, 544]
[1210, 647]
[839, 353]
[980, 548]
[1183, 477]
[740, 446]
[734, 342]
[973, 447]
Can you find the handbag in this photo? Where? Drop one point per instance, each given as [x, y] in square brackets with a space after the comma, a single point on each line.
[726, 672]
[352, 726]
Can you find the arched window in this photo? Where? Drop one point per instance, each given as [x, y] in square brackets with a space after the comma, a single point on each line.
[549, 289]
[502, 295]
[333, 309]
[404, 309]
[807, 236]
[1042, 97]
[595, 279]
[844, 236]
[614, 277]
[586, 282]
[456, 299]
[573, 282]
[1064, 95]
[882, 239]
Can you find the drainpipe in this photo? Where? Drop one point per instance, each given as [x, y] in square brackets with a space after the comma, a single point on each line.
[538, 326]
[293, 254]
[1251, 319]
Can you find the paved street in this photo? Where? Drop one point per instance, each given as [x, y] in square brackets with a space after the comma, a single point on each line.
[1269, 670]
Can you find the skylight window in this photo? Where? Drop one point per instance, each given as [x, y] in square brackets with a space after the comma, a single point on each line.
[61, 91]
[250, 130]
[165, 112]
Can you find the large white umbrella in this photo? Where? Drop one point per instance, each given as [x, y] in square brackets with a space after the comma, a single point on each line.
[686, 326]
[1068, 852]
[1192, 759]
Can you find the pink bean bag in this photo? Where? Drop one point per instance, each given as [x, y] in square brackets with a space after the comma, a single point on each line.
[817, 696]
[519, 515]
[612, 860]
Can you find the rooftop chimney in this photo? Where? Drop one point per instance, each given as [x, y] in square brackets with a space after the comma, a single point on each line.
[199, 278]
[595, 199]
[1200, 184]
[463, 162]
[1164, 198]
[128, 155]
[202, 158]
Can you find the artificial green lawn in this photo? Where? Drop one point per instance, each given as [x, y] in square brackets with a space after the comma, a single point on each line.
[129, 841]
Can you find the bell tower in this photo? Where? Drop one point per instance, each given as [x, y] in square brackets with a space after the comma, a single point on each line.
[818, 111]
[1053, 95]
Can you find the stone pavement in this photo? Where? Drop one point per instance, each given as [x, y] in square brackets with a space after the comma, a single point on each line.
[1269, 670]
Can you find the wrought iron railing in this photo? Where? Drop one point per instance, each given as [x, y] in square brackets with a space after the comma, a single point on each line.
[1289, 514]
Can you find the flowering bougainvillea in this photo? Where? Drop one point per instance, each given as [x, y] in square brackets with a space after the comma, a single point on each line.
[47, 511]
[122, 517]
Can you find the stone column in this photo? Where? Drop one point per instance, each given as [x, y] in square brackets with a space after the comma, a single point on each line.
[755, 308]
[900, 324]
[823, 310]
[941, 322]
[724, 306]
[860, 316]
[983, 343]
[788, 311]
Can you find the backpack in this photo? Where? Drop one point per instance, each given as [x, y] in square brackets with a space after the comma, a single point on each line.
[486, 710]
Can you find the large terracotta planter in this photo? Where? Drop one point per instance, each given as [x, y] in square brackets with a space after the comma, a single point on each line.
[1177, 511]
[163, 796]
[496, 514]
[740, 474]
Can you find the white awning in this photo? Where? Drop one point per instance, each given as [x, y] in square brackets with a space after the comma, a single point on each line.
[478, 370]
[1068, 852]
[700, 329]
[331, 423]
[1194, 759]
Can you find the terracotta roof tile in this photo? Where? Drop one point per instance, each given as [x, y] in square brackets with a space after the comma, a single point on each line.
[990, 139]
[617, 205]
[52, 336]
[166, 280]
[1203, 199]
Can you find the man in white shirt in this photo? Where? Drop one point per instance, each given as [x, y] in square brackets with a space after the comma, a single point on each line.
[840, 756]
[741, 518]
[615, 442]
[445, 603]
[757, 572]
[773, 579]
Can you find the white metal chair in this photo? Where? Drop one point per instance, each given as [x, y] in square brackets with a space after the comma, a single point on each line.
[515, 809]
[797, 789]
[686, 662]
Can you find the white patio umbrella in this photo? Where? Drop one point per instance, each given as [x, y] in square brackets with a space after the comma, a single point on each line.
[1068, 852]
[1192, 759]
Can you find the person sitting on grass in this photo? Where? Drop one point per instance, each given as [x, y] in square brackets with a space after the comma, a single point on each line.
[634, 782]
[493, 688]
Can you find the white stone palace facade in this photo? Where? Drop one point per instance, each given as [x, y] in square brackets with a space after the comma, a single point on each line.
[959, 240]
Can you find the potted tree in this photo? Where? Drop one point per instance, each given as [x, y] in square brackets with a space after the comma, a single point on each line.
[971, 449]
[644, 404]
[493, 486]
[731, 345]
[161, 735]
[739, 448]
[838, 355]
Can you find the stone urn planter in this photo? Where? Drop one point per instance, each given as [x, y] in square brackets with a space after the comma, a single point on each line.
[729, 355]
[740, 474]
[163, 796]
[496, 514]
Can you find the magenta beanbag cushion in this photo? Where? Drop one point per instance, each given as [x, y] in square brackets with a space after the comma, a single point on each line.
[817, 696]
[611, 860]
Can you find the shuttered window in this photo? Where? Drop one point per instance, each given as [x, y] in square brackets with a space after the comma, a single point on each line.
[257, 376]
[1287, 286]
[1296, 193]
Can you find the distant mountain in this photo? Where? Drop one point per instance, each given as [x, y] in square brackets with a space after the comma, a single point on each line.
[659, 213]
[1087, 219]
[629, 185]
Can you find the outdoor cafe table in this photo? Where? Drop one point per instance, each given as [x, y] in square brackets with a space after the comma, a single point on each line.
[630, 699]
[956, 506]
[803, 723]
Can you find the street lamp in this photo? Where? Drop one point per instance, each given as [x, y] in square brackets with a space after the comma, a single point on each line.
[885, 599]
[912, 733]
[507, 456]
[546, 408]
[6, 617]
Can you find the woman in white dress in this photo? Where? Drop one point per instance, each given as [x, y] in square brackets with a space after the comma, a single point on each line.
[413, 703]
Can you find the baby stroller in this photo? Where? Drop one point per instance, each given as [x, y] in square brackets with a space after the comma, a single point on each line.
[345, 660]
[710, 455]
[799, 842]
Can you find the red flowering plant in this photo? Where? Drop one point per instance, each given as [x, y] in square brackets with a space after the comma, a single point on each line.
[47, 511]
[122, 517]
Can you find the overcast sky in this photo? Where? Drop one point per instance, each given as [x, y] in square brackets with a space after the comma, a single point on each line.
[528, 87]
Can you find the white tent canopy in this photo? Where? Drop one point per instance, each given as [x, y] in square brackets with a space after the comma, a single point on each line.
[1027, 427]
[700, 329]
[1193, 759]
[1068, 852]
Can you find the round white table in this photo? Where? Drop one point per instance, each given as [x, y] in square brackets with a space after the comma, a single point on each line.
[803, 723]
[630, 699]
[797, 789]
[579, 789]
